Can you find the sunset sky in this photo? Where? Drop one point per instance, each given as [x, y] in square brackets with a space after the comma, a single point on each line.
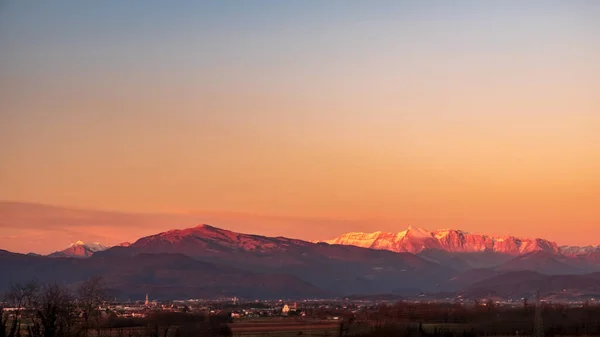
[337, 115]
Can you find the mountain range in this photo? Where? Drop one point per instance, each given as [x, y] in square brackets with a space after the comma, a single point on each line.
[416, 240]
[208, 262]
[412, 240]
[464, 251]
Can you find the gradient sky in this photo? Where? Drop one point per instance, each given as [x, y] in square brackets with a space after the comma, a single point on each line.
[478, 115]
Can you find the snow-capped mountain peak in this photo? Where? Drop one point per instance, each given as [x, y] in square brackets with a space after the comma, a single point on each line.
[80, 249]
[92, 246]
[416, 232]
[415, 240]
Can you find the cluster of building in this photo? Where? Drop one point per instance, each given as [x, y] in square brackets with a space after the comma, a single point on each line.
[241, 309]
[231, 306]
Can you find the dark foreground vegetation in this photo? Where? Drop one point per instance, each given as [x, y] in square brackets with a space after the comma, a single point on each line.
[53, 310]
[457, 320]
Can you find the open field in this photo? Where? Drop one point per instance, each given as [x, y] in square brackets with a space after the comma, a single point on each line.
[246, 328]
[257, 328]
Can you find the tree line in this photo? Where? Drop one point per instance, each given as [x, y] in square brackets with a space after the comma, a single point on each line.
[51, 310]
[54, 310]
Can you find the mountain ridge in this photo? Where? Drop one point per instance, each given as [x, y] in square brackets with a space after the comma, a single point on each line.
[205, 260]
[416, 240]
[17, 215]
[362, 270]
[80, 249]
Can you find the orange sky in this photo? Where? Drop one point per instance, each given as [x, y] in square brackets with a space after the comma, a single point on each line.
[484, 122]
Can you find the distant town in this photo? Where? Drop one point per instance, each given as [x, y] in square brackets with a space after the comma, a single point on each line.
[325, 309]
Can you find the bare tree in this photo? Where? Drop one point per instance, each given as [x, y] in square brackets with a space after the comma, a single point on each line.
[4, 317]
[19, 298]
[54, 312]
[90, 296]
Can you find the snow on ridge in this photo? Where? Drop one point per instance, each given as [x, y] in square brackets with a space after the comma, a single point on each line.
[92, 246]
[416, 239]
[401, 235]
[579, 250]
[419, 232]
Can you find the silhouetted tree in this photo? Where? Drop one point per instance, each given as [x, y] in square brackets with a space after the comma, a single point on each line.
[90, 296]
[20, 298]
[54, 312]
